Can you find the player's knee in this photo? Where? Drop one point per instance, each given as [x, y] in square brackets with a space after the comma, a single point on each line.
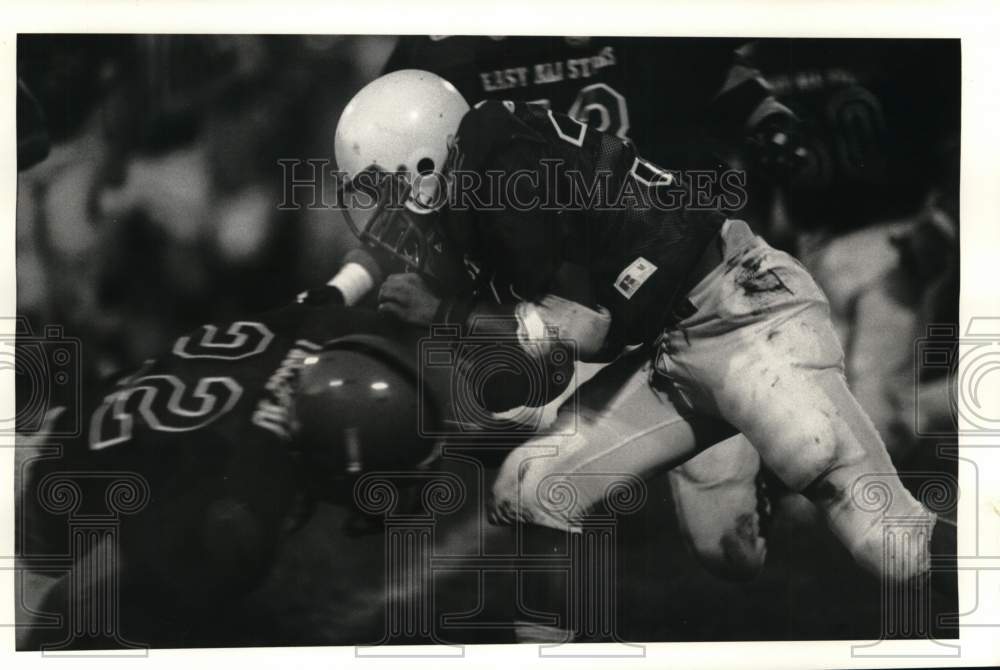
[503, 503]
[723, 510]
[515, 492]
[743, 550]
[879, 521]
[895, 551]
[527, 491]
[737, 553]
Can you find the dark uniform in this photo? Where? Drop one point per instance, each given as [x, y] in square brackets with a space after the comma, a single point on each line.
[208, 426]
[753, 348]
[585, 199]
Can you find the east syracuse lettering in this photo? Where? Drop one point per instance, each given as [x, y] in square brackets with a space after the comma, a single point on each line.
[502, 80]
[549, 72]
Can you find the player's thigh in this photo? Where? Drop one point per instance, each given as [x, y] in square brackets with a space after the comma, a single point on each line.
[791, 401]
[766, 358]
[620, 429]
[793, 404]
[757, 362]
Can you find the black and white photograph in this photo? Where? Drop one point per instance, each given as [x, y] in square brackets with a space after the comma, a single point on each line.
[414, 342]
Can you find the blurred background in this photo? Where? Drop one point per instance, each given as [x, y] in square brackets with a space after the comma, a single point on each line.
[157, 210]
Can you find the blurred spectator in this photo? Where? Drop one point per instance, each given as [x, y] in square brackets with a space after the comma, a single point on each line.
[157, 209]
[885, 283]
[873, 213]
[876, 116]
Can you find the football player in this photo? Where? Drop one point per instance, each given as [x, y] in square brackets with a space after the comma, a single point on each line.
[738, 329]
[720, 111]
[234, 433]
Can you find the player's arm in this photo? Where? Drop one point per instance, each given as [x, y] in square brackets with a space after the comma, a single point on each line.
[534, 296]
[526, 244]
[358, 275]
[539, 325]
[550, 333]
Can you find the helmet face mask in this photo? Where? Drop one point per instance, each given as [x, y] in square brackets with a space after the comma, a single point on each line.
[383, 213]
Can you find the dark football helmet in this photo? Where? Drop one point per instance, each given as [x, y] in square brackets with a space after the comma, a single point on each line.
[358, 409]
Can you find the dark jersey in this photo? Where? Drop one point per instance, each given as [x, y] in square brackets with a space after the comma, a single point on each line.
[229, 382]
[206, 426]
[532, 192]
[666, 94]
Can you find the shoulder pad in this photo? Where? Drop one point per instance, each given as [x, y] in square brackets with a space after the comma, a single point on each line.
[489, 126]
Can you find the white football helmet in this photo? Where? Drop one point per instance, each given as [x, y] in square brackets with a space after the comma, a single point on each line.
[402, 124]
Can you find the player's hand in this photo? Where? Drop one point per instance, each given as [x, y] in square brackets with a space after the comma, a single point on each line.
[409, 298]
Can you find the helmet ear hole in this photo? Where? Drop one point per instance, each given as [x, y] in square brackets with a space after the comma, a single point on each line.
[400, 118]
[425, 166]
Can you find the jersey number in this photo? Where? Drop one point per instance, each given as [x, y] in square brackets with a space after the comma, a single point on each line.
[612, 112]
[597, 105]
[607, 104]
[164, 403]
[241, 340]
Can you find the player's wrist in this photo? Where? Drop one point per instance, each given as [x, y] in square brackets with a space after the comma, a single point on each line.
[322, 295]
[353, 282]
